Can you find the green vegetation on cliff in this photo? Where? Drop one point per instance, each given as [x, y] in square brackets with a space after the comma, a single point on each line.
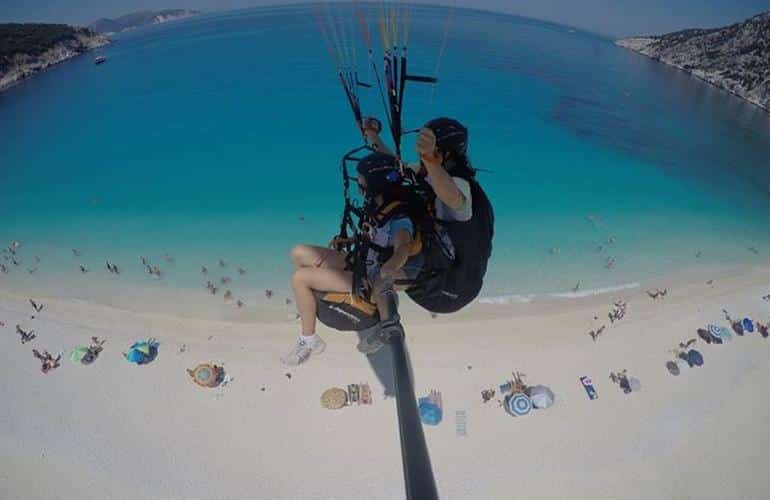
[33, 39]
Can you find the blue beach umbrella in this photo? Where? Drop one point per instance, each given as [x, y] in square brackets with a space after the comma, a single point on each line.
[748, 325]
[519, 404]
[694, 358]
[142, 352]
[430, 413]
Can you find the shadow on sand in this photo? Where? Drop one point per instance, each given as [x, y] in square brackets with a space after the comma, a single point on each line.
[382, 364]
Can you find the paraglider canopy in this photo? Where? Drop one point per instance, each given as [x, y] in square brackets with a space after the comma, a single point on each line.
[336, 22]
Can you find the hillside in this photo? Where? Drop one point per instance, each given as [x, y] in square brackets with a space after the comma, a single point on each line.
[137, 19]
[735, 58]
[26, 49]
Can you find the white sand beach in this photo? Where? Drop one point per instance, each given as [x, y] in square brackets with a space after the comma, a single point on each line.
[113, 430]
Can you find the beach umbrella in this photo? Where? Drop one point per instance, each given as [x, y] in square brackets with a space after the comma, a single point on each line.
[519, 404]
[334, 398]
[430, 413]
[142, 352]
[705, 336]
[673, 368]
[720, 333]
[541, 396]
[694, 358]
[143, 347]
[207, 375]
[78, 354]
[682, 362]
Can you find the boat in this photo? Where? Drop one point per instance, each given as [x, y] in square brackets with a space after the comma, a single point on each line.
[99, 59]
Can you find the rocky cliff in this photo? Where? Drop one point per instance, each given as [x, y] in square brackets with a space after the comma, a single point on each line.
[735, 58]
[26, 49]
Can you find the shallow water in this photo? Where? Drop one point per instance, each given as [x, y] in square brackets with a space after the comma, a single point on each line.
[220, 136]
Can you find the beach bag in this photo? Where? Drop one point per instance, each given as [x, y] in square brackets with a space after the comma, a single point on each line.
[447, 285]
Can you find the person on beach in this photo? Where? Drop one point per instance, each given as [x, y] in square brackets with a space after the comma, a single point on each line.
[324, 269]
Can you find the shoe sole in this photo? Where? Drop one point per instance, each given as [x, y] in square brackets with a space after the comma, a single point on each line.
[365, 348]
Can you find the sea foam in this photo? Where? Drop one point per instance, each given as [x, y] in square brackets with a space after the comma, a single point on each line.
[527, 298]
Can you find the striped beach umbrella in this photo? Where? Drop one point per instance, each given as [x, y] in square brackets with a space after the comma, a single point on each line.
[720, 332]
[519, 404]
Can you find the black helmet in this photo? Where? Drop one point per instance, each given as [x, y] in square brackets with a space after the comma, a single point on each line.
[451, 135]
[380, 171]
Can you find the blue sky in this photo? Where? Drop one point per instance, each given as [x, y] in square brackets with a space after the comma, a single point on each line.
[611, 17]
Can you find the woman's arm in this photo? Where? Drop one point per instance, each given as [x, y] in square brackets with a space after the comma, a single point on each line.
[445, 188]
[401, 242]
[371, 131]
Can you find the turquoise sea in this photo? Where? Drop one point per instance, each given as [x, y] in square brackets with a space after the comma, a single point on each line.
[220, 137]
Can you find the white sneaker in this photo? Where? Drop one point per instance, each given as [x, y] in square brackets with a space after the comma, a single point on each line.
[303, 349]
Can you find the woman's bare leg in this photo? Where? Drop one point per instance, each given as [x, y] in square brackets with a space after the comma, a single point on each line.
[307, 279]
[318, 257]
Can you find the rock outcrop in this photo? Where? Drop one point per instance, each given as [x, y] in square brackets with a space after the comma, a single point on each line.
[26, 49]
[735, 58]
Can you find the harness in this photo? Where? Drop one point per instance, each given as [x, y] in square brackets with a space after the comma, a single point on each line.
[382, 216]
[419, 208]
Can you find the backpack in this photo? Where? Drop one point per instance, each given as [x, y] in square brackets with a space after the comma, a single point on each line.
[447, 285]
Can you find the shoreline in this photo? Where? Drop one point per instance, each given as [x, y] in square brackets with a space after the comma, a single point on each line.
[161, 300]
[648, 46]
[26, 66]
